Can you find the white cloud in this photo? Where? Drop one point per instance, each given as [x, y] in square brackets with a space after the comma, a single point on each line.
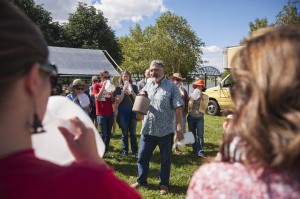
[60, 10]
[213, 61]
[117, 11]
[211, 49]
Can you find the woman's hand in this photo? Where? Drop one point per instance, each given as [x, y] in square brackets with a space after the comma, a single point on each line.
[82, 143]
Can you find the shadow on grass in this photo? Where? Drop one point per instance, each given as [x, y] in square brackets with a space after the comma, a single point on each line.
[187, 157]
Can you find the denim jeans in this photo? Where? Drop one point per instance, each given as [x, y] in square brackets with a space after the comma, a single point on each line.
[128, 127]
[105, 122]
[196, 125]
[147, 146]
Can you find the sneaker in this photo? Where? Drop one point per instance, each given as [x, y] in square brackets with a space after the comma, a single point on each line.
[202, 155]
[108, 155]
[176, 151]
[135, 185]
[164, 190]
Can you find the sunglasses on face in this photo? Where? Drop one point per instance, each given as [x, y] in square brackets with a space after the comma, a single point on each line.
[79, 88]
[106, 77]
[175, 79]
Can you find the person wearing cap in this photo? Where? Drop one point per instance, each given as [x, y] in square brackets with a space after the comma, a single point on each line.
[177, 79]
[77, 95]
[104, 110]
[25, 77]
[93, 116]
[158, 125]
[143, 82]
[196, 108]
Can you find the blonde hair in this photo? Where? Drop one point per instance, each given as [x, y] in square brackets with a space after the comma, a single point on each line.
[267, 99]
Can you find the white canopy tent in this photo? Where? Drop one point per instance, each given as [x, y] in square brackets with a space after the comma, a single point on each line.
[80, 62]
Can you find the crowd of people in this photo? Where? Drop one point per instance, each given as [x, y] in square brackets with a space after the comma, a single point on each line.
[259, 154]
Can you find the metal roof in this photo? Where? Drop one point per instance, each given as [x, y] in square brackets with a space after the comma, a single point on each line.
[80, 62]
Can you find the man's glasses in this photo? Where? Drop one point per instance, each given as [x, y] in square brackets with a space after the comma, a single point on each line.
[106, 77]
[79, 88]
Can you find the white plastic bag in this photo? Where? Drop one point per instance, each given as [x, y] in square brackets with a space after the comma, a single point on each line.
[109, 86]
[51, 145]
[188, 139]
[84, 100]
[195, 94]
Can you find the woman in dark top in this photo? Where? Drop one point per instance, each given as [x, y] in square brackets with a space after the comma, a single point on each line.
[125, 94]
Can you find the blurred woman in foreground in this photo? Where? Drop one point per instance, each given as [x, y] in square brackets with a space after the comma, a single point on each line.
[25, 80]
[266, 125]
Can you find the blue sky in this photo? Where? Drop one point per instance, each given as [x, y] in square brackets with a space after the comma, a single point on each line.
[218, 23]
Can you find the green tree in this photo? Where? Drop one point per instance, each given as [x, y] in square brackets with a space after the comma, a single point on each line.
[87, 28]
[289, 14]
[135, 49]
[171, 39]
[259, 23]
[42, 18]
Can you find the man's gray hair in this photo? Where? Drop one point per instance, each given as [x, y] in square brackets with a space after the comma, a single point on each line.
[157, 62]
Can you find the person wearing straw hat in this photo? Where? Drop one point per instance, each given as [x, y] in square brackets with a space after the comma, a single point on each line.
[196, 108]
[177, 79]
[78, 96]
[25, 77]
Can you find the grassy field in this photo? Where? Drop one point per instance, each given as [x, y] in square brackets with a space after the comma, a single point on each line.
[183, 166]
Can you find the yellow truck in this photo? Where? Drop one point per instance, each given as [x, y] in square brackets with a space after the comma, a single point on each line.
[219, 96]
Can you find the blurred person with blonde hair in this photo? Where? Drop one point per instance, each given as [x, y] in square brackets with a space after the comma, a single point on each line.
[266, 125]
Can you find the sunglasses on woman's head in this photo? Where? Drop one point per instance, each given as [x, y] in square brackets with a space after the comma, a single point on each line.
[51, 69]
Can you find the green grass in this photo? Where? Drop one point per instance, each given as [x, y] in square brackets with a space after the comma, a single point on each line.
[183, 166]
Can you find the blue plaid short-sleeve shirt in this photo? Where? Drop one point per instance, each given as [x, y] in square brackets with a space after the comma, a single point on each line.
[164, 99]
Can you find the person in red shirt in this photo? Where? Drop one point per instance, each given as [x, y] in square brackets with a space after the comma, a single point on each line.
[104, 100]
[25, 77]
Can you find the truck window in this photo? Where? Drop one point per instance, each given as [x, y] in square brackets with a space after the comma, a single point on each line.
[228, 82]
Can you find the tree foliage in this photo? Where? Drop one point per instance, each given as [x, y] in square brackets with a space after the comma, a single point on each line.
[259, 23]
[87, 28]
[289, 14]
[171, 40]
[42, 18]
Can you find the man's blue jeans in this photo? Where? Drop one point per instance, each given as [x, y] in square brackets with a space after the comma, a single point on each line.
[196, 125]
[147, 146]
[128, 125]
[105, 122]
